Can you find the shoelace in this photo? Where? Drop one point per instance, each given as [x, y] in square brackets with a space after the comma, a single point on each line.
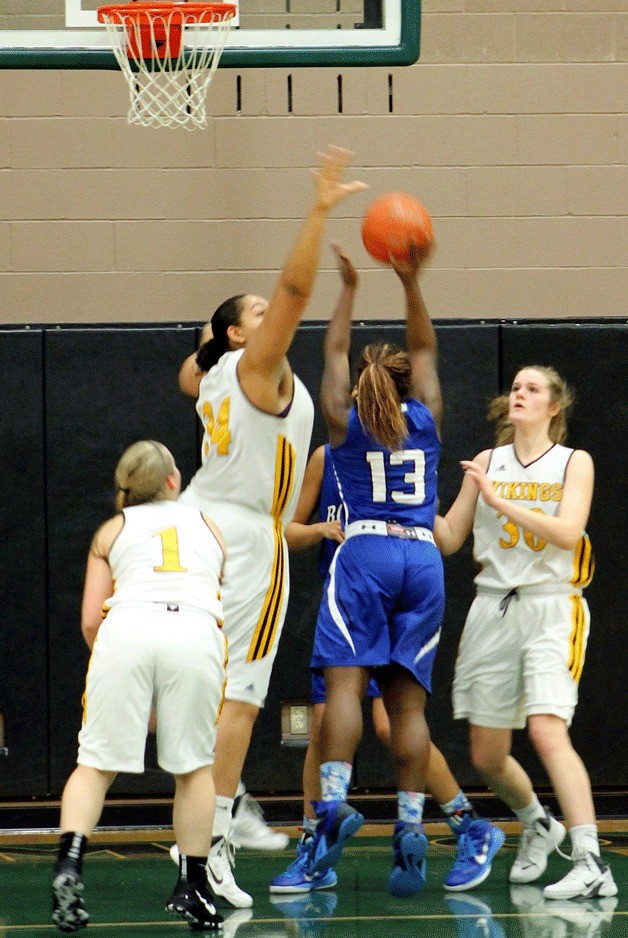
[466, 849]
[228, 849]
[526, 838]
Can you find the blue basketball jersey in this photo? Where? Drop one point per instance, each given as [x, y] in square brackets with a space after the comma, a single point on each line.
[330, 509]
[375, 483]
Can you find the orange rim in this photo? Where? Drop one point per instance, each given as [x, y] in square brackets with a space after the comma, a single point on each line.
[198, 10]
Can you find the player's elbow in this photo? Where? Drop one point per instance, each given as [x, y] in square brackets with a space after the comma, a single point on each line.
[298, 293]
[89, 628]
[568, 539]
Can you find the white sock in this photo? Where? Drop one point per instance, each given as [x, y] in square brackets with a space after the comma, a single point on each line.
[240, 790]
[584, 839]
[531, 813]
[222, 818]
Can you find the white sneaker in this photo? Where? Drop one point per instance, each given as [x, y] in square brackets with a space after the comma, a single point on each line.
[221, 879]
[250, 830]
[590, 918]
[588, 878]
[232, 922]
[174, 854]
[535, 846]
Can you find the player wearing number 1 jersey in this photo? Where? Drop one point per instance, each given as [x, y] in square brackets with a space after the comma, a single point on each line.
[151, 617]
[523, 646]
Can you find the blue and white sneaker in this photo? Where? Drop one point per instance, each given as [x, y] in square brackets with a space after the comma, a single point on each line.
[474, 918]
[312, 912]
[337, 822]
[297, 879]
[409, 866]
[478, 843]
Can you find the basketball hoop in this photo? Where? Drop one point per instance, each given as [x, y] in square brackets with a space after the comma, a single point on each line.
[168, 53]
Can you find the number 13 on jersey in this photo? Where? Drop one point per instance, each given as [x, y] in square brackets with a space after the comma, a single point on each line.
[414, 478]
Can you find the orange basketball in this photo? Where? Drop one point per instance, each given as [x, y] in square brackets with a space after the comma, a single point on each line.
[392, 222]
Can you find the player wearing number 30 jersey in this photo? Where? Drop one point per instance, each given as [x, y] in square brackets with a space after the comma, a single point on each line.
[523, 646]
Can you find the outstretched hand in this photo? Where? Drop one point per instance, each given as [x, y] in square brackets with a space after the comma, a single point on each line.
[408, 267]
[479, 476]
[347, 270]
[331, 530]
[328, 178]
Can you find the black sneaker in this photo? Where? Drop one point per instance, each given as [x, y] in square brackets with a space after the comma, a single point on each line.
[68, 909]
[196, 904]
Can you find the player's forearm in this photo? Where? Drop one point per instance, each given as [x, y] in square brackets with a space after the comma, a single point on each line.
[338, 334]
[421, 335]
[301, 536]
[562, 532]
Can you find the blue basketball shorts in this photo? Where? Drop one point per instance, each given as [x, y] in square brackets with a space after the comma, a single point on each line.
[383, 603]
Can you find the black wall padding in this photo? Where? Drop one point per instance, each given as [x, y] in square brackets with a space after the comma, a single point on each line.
[75, 397]
[23, 665]
[594, 360]
[106, 388]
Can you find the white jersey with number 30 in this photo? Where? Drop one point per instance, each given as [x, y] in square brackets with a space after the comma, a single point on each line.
[509, 555]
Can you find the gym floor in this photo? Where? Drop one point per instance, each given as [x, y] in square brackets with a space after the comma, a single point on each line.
[128, 877]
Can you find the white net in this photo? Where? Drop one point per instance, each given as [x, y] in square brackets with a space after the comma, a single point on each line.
[168, 53]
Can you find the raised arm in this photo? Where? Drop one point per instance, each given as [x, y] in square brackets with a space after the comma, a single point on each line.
[263, 367]
[336, 382]
[190, 374]
[420, 334]
[300, 534]
[564, 529]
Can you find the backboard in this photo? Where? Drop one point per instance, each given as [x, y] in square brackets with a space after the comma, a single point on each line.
[266, 33]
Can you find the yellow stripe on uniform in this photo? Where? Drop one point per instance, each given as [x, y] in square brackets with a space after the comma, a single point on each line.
[583, 562]
[577, 638]
[224, 683]
[266, 628]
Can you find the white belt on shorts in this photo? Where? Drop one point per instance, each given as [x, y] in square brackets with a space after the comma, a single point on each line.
[535, 589]
[389, 529]
[150, 606]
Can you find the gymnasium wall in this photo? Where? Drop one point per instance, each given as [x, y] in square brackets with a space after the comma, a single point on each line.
[75, 397]
[511, 129]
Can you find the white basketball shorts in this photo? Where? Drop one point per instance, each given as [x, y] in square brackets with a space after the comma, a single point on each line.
[254, 595]
[520, 660]
[145, 654]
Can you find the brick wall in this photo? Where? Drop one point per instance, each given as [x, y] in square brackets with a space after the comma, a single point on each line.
[511, 129]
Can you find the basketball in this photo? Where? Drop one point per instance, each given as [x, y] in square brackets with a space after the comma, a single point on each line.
[392, 223]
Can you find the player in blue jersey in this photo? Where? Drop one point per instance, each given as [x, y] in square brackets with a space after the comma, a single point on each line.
[383, 598]
[320, 498]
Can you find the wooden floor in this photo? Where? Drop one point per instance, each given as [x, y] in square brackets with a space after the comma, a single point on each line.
[128, 877]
